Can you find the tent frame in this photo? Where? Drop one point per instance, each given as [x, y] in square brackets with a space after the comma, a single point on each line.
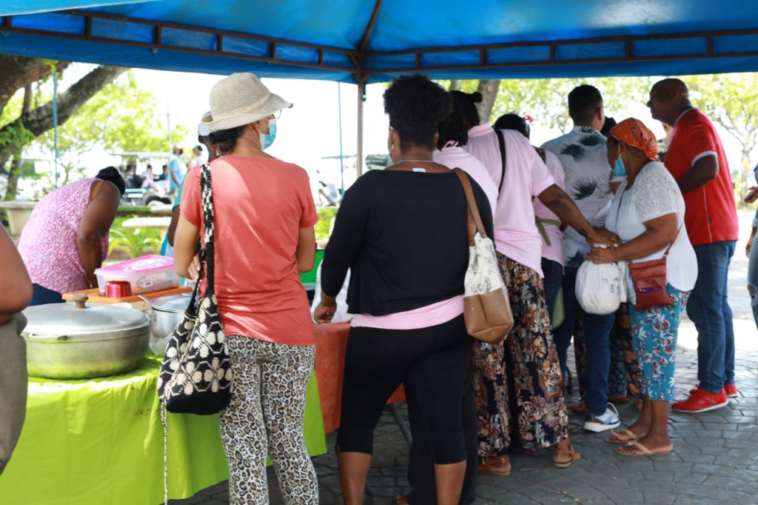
[474, 57]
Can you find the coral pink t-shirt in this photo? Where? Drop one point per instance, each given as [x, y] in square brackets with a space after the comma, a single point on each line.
[260, 206]
[516, 234]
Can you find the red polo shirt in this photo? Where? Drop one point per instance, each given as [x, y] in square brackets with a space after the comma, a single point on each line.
[711, 214]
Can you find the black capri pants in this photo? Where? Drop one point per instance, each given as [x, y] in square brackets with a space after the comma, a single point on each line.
[433, 363]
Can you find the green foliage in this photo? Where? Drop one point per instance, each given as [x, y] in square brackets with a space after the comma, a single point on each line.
[325, 217]
[731, 101]
[133, 241]
[547, 99]
[14, 139]
[120, 118]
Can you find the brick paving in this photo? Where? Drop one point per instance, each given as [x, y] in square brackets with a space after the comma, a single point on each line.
[714, 459]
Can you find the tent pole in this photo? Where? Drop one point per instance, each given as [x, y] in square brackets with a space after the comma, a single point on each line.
[55, 126]
[342, 162]
[359, 156]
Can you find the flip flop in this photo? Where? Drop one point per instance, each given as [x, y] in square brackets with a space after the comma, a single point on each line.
[575, 456]
[615, 440]
[402, 499]
[645, 450]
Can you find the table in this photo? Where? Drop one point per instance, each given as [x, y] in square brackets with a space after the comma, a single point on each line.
[331, 345]
[162, 223]
[101, 442]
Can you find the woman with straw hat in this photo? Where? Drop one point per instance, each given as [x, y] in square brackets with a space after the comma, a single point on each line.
[263, 239]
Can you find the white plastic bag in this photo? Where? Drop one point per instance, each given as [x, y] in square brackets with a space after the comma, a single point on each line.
[341, 315]
[601, 289]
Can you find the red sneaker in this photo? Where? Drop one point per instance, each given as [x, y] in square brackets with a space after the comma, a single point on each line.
[731, 390]
[702, 401]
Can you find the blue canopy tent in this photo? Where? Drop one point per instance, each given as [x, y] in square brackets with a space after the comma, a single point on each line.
[373, 41]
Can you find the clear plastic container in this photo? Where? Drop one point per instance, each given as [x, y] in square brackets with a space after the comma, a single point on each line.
[145, 274]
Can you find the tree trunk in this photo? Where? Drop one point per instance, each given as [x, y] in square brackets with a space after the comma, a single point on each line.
[11, 189]
[456, 85]
[489, 90]
[17, 72]
[40, 120]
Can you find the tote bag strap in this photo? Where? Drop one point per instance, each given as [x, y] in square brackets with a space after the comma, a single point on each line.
[474, 219]
[207, 254]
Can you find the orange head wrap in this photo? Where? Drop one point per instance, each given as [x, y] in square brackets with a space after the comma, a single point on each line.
[635, 134]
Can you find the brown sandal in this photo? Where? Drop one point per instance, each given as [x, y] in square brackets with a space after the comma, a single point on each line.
[496, 466]
[402, 499]
[575, 456]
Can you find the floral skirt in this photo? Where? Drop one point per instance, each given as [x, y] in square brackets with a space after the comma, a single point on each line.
[518, 384]
[655, 333]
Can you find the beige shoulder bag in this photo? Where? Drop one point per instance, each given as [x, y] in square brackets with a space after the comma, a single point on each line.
[487, 311]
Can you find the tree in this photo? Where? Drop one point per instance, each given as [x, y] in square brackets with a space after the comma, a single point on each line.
[120, 118]
[731, 101]
[18, 130]
[547, 99]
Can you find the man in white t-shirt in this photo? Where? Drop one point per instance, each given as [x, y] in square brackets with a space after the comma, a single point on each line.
[201, 156]
[584, 157]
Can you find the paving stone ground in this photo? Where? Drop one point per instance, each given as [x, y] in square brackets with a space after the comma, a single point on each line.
[714, 459]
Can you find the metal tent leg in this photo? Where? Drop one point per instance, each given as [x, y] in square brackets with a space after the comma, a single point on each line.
[401, 424]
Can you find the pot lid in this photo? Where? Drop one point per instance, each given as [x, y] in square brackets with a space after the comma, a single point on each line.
[171, 303]
[82, 319]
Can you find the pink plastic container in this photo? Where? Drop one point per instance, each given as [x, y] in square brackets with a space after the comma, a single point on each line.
[145, 274]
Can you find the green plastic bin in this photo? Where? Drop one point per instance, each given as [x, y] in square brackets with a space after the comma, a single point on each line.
[309, 278]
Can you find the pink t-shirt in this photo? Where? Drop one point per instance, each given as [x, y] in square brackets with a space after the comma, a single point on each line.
[516, 234]
[48, 244]
[457, 157]
[554, 251]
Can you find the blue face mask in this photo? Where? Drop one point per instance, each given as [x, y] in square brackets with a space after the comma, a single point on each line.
[618, 168]
[268, 138]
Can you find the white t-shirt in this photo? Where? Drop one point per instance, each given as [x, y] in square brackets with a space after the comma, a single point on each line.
[554, 251]
[456, 157]
[516, 234]
[654, 194]
[584, 157]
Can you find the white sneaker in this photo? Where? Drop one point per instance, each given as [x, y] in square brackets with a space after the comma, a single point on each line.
[604, 422]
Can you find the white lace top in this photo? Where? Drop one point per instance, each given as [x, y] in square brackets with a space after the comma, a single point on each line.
[655, 194]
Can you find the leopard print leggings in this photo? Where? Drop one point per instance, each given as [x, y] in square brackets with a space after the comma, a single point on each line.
[266, 416]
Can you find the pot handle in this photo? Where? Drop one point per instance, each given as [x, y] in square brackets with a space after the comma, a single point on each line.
[81, 299]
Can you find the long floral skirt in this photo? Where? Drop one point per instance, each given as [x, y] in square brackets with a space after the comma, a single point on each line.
[624, 375]
[518, 384]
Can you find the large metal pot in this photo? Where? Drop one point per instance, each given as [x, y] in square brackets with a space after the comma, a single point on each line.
[80, 341]
[166, 313]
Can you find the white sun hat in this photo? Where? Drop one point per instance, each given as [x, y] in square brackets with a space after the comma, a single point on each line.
[241, 99]
[202, 128]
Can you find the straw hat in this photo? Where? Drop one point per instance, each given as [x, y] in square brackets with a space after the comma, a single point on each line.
[241, 99]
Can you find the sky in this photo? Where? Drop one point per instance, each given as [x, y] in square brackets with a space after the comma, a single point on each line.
[306, 133]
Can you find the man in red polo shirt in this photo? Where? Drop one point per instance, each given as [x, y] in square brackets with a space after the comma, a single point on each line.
[697, 161]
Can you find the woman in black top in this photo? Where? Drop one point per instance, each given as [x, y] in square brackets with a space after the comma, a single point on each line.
[403, 234]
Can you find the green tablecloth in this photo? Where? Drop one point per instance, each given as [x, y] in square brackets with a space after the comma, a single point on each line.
[101, 442]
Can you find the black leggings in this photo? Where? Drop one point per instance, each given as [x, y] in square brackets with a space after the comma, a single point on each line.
[434, 364]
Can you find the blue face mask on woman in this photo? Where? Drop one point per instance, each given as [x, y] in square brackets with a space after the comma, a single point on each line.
[268, 138]
[619, 169]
